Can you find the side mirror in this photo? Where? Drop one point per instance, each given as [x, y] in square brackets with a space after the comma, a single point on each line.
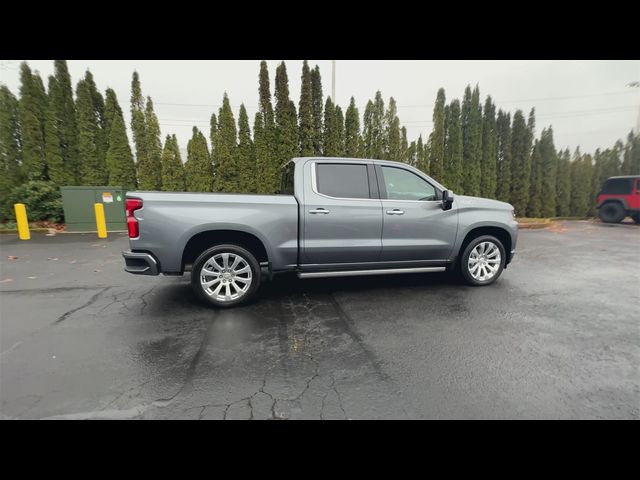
[447, 200]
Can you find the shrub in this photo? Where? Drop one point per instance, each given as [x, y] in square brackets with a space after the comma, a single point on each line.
[42, 199]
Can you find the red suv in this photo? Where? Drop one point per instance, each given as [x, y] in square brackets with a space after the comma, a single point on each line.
[619, 198]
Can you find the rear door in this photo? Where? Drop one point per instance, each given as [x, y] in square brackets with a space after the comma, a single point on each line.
[415, 227]
[634, 201]
[342, 213]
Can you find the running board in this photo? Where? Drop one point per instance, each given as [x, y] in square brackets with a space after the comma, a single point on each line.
[382, 271]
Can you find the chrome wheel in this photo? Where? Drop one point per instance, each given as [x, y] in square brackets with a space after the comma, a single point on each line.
[484, 261]
[226, 277]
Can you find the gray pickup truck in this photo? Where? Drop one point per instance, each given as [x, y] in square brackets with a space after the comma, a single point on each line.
[332, 217]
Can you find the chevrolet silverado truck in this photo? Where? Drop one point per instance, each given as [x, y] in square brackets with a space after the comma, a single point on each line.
[332, 217]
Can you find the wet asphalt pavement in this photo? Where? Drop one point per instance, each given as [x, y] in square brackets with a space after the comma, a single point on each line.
[558, 336]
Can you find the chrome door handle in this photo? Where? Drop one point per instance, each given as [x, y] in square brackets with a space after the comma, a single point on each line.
[395, 211]
[323, 211]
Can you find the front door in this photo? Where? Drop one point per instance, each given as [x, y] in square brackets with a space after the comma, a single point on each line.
[415, 227]
[342, 214]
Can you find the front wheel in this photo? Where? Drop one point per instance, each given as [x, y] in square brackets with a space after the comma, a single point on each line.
[636, 217]
[482, 261]
[225, 276]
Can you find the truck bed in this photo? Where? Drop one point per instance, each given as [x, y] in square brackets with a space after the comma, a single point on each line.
[168, 220]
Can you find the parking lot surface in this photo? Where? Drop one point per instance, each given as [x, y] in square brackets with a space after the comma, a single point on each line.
[558, 336]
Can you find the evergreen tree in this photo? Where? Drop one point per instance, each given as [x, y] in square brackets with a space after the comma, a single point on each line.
[246, 161]
[227, 174]
[352, 130]
[149, 167]
[31, 110]
[503, 147]
[421, 157]
[330, 133]
[411, 154]
[52, 133]
[260, 149]
[452, 178]
[122, 170]
[268, 180]
[213, 129]
[520, 163]
[68, 127]
[563, 184]
[213, 133]
[198, 170]
[93, 169]
[549, 167]
[138, 124]
[391, 139]
[534, 205]
[471, 141]
[119, 160]
[172, 168]
[286, 127]
[631, 159]
[436, 154]
[378, 147]
[340, 134]
[404, 146]
[361, 149]
[98, 107]
[316, 106]
[581, 171]
[305, 114]
[111, 111]
[10, 147]
[488, 165]
[367, 129]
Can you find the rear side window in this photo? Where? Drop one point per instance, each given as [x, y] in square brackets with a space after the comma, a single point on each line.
[287, 183]
[619, 186]
[342, 180]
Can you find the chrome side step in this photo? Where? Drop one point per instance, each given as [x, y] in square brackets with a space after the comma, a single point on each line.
[382, 271]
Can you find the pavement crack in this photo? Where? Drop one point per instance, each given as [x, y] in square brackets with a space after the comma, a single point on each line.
[67, 314]
[144, 302]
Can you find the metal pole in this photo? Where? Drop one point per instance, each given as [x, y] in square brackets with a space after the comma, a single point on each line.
[333, 81]
[636, 85]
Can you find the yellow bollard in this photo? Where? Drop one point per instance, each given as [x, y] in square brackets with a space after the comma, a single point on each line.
[101, 222]
[21, 220]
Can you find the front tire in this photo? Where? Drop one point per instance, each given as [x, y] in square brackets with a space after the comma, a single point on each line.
[611, 213]
[482, 261]
[225, 276]
[636, 217]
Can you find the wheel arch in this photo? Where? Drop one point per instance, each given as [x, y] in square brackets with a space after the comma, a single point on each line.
[500, 233]
[620, 201]
[201, 241]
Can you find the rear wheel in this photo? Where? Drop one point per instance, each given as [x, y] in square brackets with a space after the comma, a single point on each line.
[225, 276]
[482, 261]
[636, 217]
[611, 213]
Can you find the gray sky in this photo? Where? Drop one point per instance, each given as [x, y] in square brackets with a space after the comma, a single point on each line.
[587, 102]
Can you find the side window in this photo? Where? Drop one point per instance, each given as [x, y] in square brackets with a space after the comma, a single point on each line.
[617, 186]
[402, 184]
[286, 185]
[342, 180]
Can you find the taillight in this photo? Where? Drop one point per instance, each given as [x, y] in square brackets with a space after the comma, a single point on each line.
[132, 205]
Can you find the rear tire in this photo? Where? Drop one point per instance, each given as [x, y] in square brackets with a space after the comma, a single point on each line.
[226, 276]
[636, 217]
[482, 261]
[611, 213]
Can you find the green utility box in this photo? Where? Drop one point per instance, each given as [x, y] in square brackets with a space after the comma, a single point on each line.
[79, 210]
